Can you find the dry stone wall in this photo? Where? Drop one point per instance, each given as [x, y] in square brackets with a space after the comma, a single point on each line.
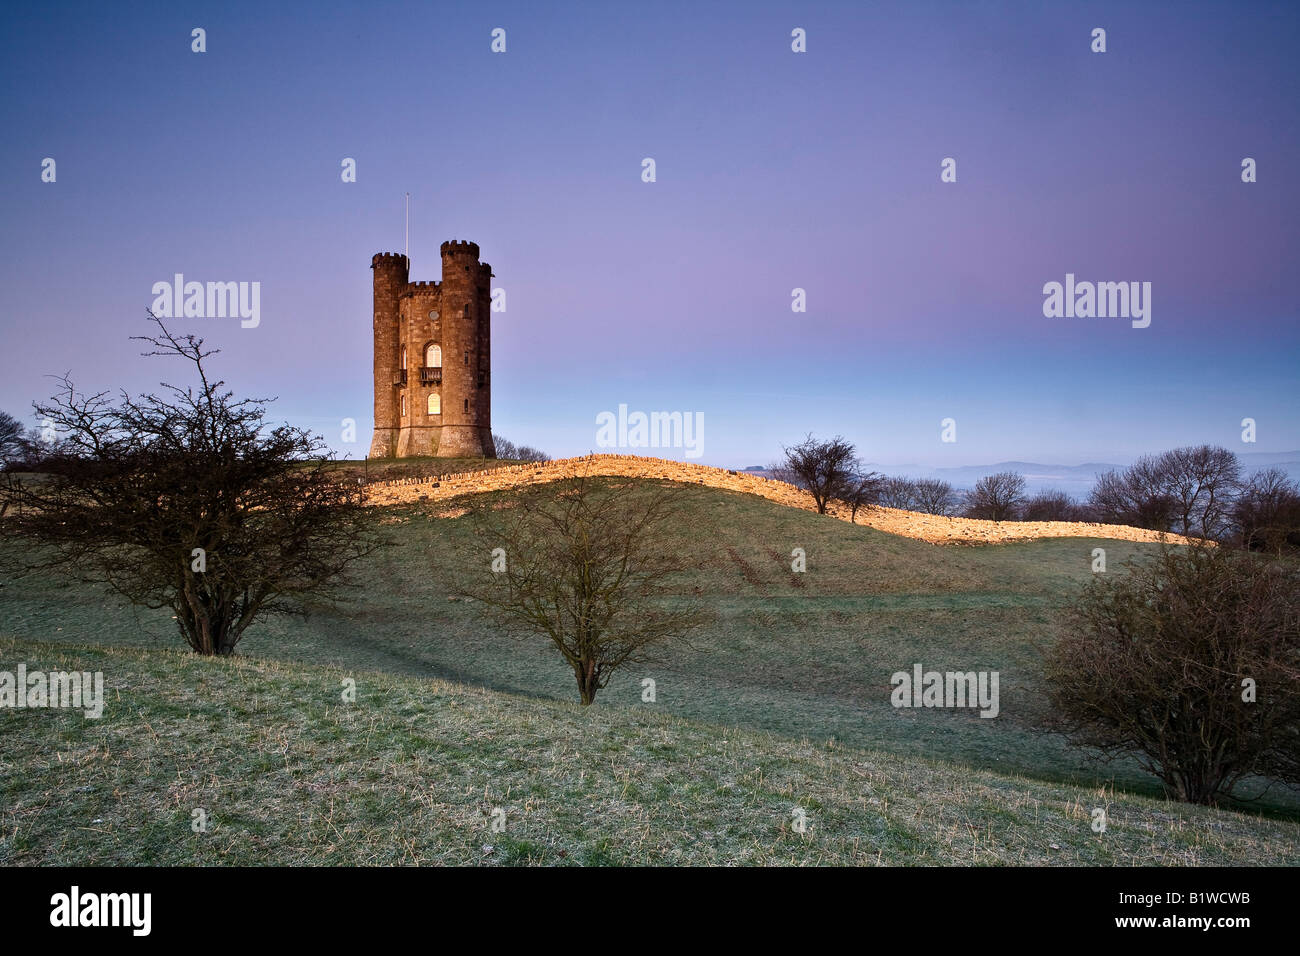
[933, 528]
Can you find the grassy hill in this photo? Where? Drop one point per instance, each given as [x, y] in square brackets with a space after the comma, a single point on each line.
[413, 771]
[380, 469]
[791, 664]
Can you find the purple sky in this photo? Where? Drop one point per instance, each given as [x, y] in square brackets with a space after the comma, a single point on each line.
[775, 170]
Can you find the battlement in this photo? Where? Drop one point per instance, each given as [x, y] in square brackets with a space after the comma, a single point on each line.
[424, 288]
[389, 260]
[459, 247]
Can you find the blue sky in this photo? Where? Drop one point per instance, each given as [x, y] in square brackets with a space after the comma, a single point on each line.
[775, 170]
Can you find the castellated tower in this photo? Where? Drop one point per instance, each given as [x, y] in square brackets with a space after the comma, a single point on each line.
[433, 387]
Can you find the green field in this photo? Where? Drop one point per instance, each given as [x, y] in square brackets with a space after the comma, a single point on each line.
[782, 699]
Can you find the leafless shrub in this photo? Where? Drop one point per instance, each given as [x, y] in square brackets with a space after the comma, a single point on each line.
[586, 565]
[509, 451]
[1191, 664]
[1266, 513]
[1050, 505]
[825, 469]
[933, 496]
[187, 501]
[996, 497]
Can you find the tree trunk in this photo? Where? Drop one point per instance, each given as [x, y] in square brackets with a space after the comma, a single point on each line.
[587, 684]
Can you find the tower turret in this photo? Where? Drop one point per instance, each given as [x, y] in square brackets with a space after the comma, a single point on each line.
[466, 403]
[391, 273]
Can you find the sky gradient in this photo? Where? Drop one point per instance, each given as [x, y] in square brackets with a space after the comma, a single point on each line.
[775, 170]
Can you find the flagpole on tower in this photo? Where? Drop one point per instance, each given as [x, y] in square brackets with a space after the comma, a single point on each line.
[407, 251]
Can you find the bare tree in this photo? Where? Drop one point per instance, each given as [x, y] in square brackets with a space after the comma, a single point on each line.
[1202, 481]
[822, 468]
[531, 454]
[1187, 663]
[1266, 513]
[996, 497]
[898, 493]
[587, 565]
[1137, 496]
[188, 501]
[509, 451]
[933, 496]
[505, 448]
[1190, 490]
[861, 490]
[1050, 505]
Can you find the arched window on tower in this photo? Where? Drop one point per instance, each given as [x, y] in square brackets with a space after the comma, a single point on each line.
[403, 358]
[433, 356]
[435, 404]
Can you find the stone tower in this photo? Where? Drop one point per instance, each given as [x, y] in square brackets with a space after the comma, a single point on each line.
[433, 386]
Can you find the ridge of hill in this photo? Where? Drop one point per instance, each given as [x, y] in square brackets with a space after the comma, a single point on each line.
[936, 529]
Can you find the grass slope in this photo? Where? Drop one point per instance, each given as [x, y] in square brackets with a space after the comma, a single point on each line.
[800, 655]
[413, 770]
